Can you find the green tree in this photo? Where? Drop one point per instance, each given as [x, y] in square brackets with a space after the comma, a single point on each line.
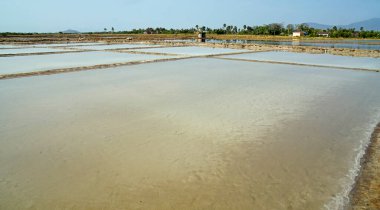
[290, 28]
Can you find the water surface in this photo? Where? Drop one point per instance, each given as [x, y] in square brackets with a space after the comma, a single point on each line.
[19, 64]
[114, 46]
[188, 134]
[191, 50]
[352, 44]
[312, 59]
[30, 50]
[68, 44]
[9, 46]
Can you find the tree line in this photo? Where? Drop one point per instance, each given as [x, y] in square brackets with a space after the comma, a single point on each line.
[275, 29]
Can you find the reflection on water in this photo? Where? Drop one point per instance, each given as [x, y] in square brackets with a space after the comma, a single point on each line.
[189, 134]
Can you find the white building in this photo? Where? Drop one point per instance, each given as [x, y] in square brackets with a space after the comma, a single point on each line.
[298, 33]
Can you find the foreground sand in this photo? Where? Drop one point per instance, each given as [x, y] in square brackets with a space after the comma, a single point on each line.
[366, 194]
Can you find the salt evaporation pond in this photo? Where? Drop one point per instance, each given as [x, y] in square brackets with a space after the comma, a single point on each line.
[10, 46]
[68, 44]
[312, 59]
[115, 46]
[22, 64]
[30, 50]
[344, 43]
[190, 50]
[188, 134]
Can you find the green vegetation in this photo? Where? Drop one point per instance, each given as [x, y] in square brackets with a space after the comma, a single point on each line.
[273, 29]
[276, 29]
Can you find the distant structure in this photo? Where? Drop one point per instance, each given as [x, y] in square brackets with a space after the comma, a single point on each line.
[298, 33]
[324, 34]
[202, 36]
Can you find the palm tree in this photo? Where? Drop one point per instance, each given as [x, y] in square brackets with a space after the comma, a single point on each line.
[113, 30]
[105, 29]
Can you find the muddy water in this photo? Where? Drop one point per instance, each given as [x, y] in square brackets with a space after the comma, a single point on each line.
[189, 134]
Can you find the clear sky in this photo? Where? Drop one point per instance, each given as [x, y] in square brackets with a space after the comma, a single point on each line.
[94, 15]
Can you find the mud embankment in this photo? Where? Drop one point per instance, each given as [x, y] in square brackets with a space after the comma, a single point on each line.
[366, 193]
[265, 47]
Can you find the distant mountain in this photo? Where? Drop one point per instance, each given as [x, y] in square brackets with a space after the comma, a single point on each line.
[70, 31]
[319, 26]
[371, 24]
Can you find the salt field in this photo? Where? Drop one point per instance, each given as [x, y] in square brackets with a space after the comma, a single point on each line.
[68, 44]
[114, 46]
[9, 46]
[351, 44]
[312, 59]
[195, 133]
[22, 64]
[30, 50]
[190, 50]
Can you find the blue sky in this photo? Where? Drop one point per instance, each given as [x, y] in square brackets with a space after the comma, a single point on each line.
[94, 15]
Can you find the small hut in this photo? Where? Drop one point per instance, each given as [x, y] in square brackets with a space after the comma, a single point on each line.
[298, 33]
[202, 36]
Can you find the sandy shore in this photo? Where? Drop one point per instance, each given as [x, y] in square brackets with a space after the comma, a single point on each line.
[366, 193]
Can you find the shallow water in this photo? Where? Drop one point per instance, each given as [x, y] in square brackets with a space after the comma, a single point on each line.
[189, 134]
[352, 44]
[9, 46]
[190, 50]
[68, 44]
[114, 46]
[312, 59]
[30, 50]
[20, 64]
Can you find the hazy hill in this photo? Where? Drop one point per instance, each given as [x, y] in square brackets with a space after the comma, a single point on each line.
[371, 24]
[70, 31]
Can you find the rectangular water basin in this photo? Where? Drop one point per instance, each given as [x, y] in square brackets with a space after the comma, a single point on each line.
[312, 59]
[21, 64]
[190, 50]
[206, 133]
